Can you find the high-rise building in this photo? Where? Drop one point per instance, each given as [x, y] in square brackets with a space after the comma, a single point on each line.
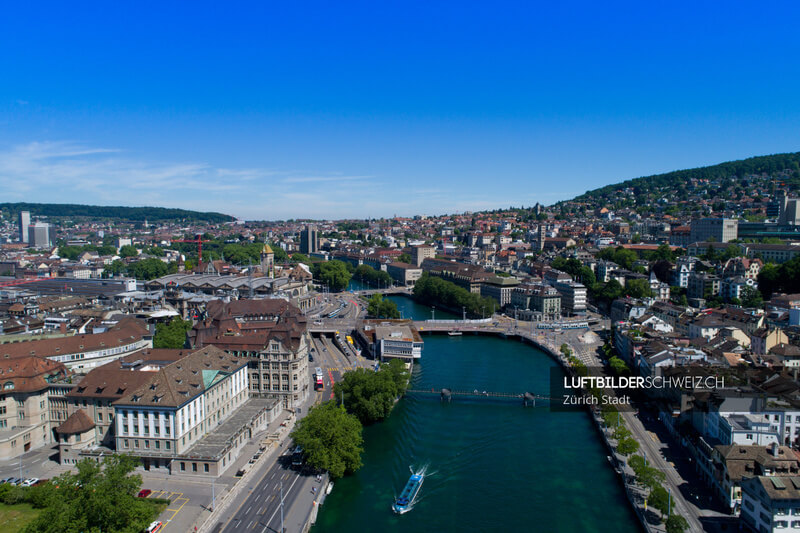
[41, 235]
[24, 222]
[421, 253]
[309, 240]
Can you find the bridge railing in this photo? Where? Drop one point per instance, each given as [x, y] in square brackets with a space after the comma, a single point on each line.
[456, 322]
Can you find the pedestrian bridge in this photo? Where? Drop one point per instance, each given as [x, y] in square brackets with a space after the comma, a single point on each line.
[447, 395]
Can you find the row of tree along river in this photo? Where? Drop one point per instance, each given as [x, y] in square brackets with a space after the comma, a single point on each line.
[492, 466]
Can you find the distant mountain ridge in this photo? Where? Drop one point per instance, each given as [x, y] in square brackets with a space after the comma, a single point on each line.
[786, 165]
[132, 214]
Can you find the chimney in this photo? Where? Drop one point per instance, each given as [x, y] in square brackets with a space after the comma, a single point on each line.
[774, 449]
[62, 327]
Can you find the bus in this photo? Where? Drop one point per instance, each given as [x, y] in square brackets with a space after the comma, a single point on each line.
[297, 456]
[318, 383]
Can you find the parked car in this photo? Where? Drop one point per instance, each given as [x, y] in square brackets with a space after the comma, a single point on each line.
[154, 527]
[30, 482]
[144, 493]
[6, 480]
[14, 481]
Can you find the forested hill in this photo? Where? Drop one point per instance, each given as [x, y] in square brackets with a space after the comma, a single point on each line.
[133, 214]
[783, 167]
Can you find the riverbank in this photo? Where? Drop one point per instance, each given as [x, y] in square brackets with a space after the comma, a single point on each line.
[529, 462]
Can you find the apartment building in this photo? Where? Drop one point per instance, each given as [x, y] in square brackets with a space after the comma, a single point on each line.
[24, 408]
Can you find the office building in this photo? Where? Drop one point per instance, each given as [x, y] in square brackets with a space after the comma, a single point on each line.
[309, 240]
[24, 222]
[41, 235]
[421, 253]
[714, 229]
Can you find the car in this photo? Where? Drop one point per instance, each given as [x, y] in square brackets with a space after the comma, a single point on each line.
[5, 480]
[14, 481]
[144, 493]
[30, 482]
[154, 527]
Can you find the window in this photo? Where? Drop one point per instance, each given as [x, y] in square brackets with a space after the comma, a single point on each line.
[183, 467]
[167, 445]
[125, 443]
[194, 467]
[136, 444]
[158, 445]
[147, 444]
[205, 467]
[124, 428]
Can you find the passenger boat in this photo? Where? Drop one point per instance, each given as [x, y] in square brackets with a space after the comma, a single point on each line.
[454, 333]
[404, 502]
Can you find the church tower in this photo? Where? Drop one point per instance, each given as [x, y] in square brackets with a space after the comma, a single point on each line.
[540, 237]
[268, 261]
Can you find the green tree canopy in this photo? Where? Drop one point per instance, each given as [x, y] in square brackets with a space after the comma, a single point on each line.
[676, 524]
[95, 498]
[370, 395]
[172, 334]
[659, 498]
[751, 297]
[638, 288]
[431, 290]
[331, 439]
[128, 251]
[332, 273]
[782, 278]
[627, 446]
[151, 268]
[379, 307]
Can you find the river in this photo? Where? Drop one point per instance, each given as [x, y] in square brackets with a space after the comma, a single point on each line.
[492, 465]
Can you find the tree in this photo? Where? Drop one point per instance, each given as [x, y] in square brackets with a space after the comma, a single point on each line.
[659, 498]
[332, 273]
[370, 395]
[114, 269]
[618, 366]
[638, 288]
[151, 268]
[95, 498]
[404, 258]
[627, 446]
[172, 334]
[331, 439]
[128, 251]
[380, 308]
[751, 297]
[676, 524]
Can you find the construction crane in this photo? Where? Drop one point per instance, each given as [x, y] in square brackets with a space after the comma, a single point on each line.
[199, 242]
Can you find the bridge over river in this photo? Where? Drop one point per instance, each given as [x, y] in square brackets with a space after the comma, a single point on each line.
[446, 395]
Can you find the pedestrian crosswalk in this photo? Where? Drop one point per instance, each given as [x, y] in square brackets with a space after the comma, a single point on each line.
[341, 368]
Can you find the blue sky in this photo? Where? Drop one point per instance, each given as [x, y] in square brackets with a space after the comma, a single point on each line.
[344, 109]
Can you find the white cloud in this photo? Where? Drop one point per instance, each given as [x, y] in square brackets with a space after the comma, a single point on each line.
[72, 172]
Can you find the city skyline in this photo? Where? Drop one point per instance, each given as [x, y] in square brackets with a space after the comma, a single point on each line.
[272, 113]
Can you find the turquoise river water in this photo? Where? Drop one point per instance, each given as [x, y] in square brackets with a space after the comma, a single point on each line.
[492, 465]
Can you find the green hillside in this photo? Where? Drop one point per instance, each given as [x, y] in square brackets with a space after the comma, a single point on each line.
[133, 214]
